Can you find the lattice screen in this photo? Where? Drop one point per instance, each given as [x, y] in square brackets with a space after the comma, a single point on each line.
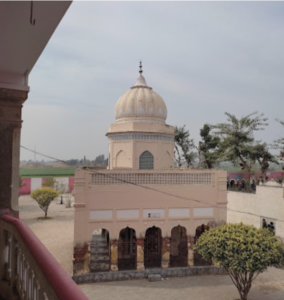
[146, 161]
[154, 178]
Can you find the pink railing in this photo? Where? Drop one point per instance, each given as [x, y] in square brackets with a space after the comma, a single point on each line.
[30, 271]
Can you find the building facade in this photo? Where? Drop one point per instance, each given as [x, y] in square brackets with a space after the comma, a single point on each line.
[142, 212]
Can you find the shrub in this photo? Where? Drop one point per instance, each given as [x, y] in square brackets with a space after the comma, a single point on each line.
[243, 250]
[43, 197]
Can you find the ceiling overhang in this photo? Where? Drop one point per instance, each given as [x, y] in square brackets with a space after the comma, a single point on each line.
[22, 42]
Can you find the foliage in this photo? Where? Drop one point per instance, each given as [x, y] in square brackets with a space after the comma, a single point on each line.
[237, 137]
[49, 182]
[183, 145]
[260, 153]
[243, 250]
[100, 160]
[208, 148]
[72, 162]
[43, 197]
[21, 183]
[238, 144]
[279, 144]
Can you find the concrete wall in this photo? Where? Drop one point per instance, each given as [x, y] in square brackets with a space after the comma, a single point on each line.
[267, 202]
[116, 206]
[30, 184]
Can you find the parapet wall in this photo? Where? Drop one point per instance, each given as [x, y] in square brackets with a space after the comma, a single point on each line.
[267, 203]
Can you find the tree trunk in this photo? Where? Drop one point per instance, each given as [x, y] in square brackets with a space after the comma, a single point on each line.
[242, 281]
[45, 214]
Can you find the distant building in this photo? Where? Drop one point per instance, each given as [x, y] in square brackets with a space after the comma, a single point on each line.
[142, 212]
[237, 177]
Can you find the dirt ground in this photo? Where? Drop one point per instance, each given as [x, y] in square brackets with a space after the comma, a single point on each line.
[57, 235]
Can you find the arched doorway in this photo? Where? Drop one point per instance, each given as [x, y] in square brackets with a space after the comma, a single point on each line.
[198, 259]
[178, 249]
[127, 249]
[153, 248]
[146, 161]
[100, 254]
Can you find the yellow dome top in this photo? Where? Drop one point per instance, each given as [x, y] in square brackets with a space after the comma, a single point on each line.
[140, 104]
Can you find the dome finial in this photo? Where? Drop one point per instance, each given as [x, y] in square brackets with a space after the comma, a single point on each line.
[140, 71]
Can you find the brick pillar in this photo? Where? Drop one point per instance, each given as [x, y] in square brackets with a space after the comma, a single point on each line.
[140, 254]
[81, 259]
[11, 102]
[113, 255]
[166, 252]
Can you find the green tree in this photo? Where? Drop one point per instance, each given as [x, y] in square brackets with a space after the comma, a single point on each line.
[99, 160]
[238, 144]
[244, 251]
[43, 197]
[279, 144]
[260, 153]
[238, 137]
[183, 146]
[49, 182]
[208, 148]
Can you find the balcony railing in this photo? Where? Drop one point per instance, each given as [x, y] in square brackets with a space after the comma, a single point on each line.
[28, 270]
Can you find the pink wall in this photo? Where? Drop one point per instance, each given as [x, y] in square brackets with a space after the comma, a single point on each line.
[71, 184]
[26, 188]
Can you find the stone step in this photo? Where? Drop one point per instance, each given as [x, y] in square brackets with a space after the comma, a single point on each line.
[99, 257]
[100, 244]
[99, 250]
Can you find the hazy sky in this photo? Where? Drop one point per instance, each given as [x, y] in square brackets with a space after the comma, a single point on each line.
[203, 58]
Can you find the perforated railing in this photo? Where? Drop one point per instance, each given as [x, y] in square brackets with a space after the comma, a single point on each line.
[151, 178]
[29, 271]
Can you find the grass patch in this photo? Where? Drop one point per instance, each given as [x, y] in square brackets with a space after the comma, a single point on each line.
[47, 172]
[44, 218]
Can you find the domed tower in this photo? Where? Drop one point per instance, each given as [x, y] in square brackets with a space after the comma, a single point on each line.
[140, 139]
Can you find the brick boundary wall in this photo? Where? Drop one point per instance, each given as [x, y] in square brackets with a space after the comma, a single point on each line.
[132, 275]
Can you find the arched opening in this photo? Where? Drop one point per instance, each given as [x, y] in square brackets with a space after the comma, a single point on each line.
[127, 249]
[178, 248]
[100, 254]
[198, 259]
[153, 248]
[146, 161]
[121, 159]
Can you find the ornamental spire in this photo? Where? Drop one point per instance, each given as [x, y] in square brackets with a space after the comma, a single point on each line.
[140, 71]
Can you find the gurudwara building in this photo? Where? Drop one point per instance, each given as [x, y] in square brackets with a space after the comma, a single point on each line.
[142, 212]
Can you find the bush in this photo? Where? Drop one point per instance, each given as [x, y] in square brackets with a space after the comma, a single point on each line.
[43, 197]
[243, 250]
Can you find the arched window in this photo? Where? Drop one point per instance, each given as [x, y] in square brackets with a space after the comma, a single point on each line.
[146, 161]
